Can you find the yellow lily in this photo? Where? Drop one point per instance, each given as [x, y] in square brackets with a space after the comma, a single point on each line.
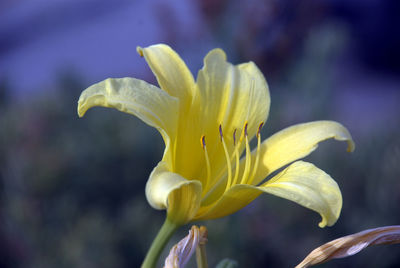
[206, 125]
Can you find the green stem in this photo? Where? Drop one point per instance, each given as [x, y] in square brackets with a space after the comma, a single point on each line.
[163, 236]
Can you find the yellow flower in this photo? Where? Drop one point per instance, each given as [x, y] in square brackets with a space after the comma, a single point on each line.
[207, 125]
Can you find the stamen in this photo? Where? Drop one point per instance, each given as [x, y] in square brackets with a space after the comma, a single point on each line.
[236, 154]
[220, 132]
[259, 128]
[203, 143]
[234, 137]
[237, 164]
[253, 174]
[248, 157]
[228, 161]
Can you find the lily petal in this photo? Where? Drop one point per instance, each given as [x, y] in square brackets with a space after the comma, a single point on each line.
[309, 186]
[233, 200]
[261, 99]
[139, 98]
[171, 72]
[174, 77]
[232, 95]
[301, 182]
[168, 190]
[296, 142]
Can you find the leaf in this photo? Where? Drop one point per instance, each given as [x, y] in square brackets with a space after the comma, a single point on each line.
[227, 263]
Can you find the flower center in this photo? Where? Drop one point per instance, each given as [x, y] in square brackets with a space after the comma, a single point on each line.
[233, 156]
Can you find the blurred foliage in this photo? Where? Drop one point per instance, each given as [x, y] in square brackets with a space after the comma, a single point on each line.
[72, 190]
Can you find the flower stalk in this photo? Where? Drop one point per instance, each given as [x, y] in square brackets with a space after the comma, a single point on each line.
[162, 238]
[201, 256]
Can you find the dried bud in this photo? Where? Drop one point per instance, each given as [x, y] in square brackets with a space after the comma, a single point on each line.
[180, 254]
[352, 244]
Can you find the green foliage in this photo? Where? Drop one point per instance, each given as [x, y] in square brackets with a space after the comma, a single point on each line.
[227, 263]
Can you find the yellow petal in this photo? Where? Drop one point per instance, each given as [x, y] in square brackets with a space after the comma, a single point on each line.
[136, 97]
[310, 187]
[260, 102]
[171, 72]
[229, 96]
[232, 200]
[174, 77]
[301, 182]
[232, 95]
[296, 142]
[168, 190]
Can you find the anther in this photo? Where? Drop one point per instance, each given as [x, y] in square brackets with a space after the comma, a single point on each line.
[203, 141]
[259, 128]
[220, 132]
[245, 128]
[234, 137]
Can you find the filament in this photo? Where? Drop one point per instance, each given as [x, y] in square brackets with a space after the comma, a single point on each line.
[248, 157]
[253, 174]
[228, 161]
[203, 143]
[236, 153]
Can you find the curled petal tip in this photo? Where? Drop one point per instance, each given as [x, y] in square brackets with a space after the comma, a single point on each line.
[322, 224]
[81, 110]
[351, 146]
[139, 51]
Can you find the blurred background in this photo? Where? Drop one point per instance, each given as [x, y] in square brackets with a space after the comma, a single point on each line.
[72, 190]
